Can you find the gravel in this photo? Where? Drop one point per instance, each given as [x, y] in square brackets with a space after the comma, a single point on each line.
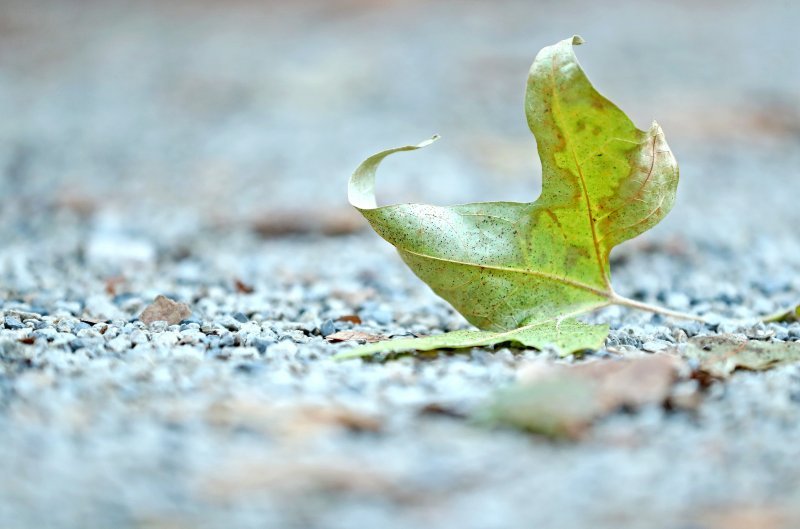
[136, 166]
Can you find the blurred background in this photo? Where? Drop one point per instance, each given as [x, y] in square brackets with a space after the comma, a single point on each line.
[184, 115]
[151, 147]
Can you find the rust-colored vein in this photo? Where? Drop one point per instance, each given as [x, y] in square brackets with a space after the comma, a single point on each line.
[638, 222]
[639, 192]
[595, 240]
[581, 178]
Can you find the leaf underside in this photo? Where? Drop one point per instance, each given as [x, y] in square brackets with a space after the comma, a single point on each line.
[719, 356]
[506, 265]
[565, 336]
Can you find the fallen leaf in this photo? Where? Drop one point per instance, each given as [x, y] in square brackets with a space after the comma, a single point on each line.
[563, 401]
[535, 266]
[85, 318]
[349, 336]
[720, 355]
[304, 475]
[355, 298]
[283, 223]
[113, 284]
[737, 516]
[565, 337]
[165, 309]
[242, 287]
[790, 315]
[294, 421]
[351, 318]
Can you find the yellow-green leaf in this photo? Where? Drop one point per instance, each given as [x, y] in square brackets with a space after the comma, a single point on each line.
[565, 336]
[790, 315]
[506, 265]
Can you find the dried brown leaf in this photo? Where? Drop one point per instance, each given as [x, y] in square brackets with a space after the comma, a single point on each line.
[242, 287]
[354, 336]
[563, 401]
[287, 222]
[720, 355]
[351, 318]
[297, 421]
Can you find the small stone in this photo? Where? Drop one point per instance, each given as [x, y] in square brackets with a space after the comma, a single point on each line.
[261, 344]
[158, 326]
[138, 337]
[79, 326]
[165, 309]
[166, 338]
[23, 315]
[679, 335]
[250, 368]
[119, 299]
[211, 340]
[238, 316]
[76, 344]
[48, 333]
[327, 328]
[229, 323]
[190, 337]
[119, 344]
[677, 300]
[13, 323]
[730, 327]
[99, 308]
[654, 346]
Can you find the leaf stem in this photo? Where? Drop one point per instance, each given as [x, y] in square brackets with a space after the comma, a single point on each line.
[632, 303]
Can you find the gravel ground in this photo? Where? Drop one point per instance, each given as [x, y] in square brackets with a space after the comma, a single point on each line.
[193, 151]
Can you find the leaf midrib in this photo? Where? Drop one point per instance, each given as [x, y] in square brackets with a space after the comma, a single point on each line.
[607, 294]
[582, 179]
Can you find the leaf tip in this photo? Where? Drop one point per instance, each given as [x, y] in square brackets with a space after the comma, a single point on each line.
[427, 142]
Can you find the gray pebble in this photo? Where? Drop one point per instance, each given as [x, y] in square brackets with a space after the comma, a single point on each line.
[48, 333]
[261, 344]
[80, 325]
[327, 328]
[655, 346]
[229, 323]
[13, 323]
[227, 340]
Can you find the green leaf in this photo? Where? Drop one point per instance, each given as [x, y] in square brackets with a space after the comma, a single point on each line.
[566, 336]
[721, 355]
[505, 265]
[783, 316]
